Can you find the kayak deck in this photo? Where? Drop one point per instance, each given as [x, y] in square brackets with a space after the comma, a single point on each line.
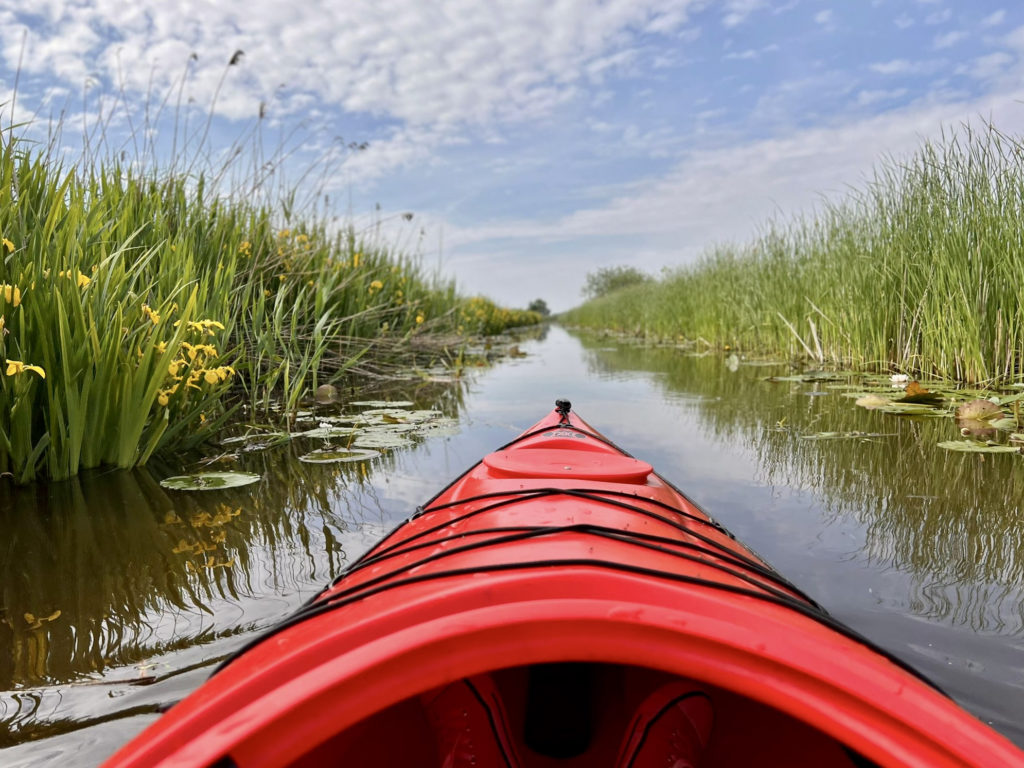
[572, 588]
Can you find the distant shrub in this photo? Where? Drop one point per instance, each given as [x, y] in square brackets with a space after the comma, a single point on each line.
[610, 279]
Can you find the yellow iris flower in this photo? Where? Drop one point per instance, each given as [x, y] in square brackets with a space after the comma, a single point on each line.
[15, 367]
[11, 294]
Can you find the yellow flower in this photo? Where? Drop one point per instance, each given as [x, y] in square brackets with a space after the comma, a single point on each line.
[266, 292]
[8, 245]
[83, 280]
[11, 294]
[148, 313]
[174, 367]
[284, 233]
[419, 319]
[211, 377]
[355, 258]
[161, 347]
[162, 397]
[376, 285]
[15, 367]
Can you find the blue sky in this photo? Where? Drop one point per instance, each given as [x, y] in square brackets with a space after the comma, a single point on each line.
[534, 141]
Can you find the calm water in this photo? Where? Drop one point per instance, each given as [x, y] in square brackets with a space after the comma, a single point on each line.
[918, 548]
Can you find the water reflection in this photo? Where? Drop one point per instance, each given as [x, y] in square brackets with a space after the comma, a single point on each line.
[951, 521]
[110, 580]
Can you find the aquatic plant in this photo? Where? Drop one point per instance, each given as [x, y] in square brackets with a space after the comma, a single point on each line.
[137, 307]
[919, 271]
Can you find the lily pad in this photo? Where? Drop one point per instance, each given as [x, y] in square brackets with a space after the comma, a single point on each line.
[394, 413]
[977, 446]
[982, 410]
[209, 481]
[325, 394]
[340, 456]
[382, 403]
[418, 417]
[389, 429]
[439, 428]
[1017, 437]
[875, 402]
[911, 409]
[328, 431]
[381, 440]
[871, 401]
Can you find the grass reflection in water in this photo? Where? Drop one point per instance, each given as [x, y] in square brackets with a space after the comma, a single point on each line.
[950, 521]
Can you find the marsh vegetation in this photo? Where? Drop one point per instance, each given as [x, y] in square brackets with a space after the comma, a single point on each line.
[920, 272]
[140, 306]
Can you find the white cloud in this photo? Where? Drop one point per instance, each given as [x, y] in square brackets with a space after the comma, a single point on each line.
[711, 196]
[737, 11]
[867, 98]
[939, 17]
[987, 67]
[441, 65]
[823, 17]
[752, 53]
[948, 40]
[904, 67]
[994, 19]
[903, 21]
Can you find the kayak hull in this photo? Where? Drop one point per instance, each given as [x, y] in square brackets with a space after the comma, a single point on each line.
[594, 570]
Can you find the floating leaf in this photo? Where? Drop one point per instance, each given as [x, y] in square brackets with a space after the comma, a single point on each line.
[439, 428]
[1017, 437]
[416, 417]
[393, 413]
[382, 403]
[976, 446]
[1007, 399]
[911, 409]
[326, 393]
[328, 431]
[872, 401]
[328, 456]
[982, 410]
[915, 393]
[382, 440]
[209, 481]
[389, 429]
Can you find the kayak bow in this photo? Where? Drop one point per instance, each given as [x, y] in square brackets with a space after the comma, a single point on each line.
[585, 612]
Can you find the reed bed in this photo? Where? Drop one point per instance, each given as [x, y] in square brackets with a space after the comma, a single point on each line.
[918, 272]
[138, 307]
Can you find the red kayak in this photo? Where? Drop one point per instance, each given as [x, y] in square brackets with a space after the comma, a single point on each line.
[560, 604]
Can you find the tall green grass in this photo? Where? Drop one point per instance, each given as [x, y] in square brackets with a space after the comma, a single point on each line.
[920, 271]
[137, 307]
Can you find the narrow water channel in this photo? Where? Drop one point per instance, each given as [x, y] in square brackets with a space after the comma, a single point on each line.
[117, 596]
